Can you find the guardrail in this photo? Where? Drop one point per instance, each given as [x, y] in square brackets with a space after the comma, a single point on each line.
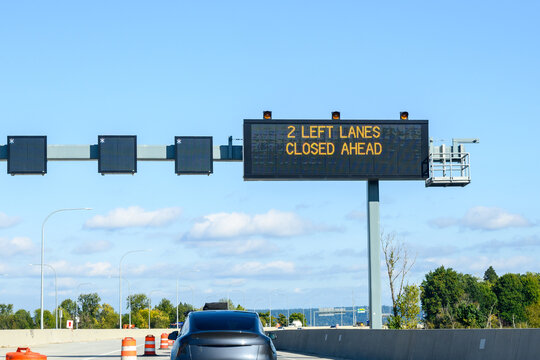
[17, 338]
[447, 344]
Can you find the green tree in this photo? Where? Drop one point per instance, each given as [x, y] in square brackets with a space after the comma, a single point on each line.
[89, 310]
[532, 312]
[510, 298]
[183, 310]
[23, 320]
[70, 307]
[138, 302]
[167, 308]
[408, 309]
[108, 318]
[490, 275]
[159, 319]
[48, 319]
[440, 292]
[531, 288]
[477, 304]
[140, 319]
[6, 316]
[263, 316]
[297, 316]
[282, 320]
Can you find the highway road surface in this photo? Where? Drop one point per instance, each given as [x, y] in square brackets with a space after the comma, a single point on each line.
[110, 350]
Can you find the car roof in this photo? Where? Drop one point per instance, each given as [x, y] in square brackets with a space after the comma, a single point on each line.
[223, 313]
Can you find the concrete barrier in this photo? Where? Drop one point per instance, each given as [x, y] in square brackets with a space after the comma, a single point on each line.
[16, 338]
[447, 344]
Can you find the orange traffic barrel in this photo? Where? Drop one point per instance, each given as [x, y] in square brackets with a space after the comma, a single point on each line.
[24, 353]
[149, 345]
[164, 341]
[171, 343]
[129, 349]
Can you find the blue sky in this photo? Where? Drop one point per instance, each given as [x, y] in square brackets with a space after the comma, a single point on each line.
[74, 70]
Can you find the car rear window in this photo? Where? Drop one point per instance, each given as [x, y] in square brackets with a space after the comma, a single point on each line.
[227, 322]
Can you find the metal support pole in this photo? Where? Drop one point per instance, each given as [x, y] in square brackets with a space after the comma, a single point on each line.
[177, 327]
[374, 255]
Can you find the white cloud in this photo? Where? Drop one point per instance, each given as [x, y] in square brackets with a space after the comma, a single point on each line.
[491, 218]
[273, 223]
[255, 268]
[16, 245]
[8, 221]
[90, 269]
[92, 247]
[484, 218]
[516, 244]
[134, 216]
[235, 248]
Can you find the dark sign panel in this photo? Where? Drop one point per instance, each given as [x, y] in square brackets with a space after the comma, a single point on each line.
[335, 150]
[194, 155]
[27, 155]
[117, 154]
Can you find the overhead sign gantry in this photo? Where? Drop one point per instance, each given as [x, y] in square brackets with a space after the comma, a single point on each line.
[336, 149]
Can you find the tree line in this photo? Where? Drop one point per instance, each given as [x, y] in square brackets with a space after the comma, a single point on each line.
[449, 299]
[93, 314]
[444, 299]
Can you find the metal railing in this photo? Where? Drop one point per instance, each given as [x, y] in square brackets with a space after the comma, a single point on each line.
[448, 168]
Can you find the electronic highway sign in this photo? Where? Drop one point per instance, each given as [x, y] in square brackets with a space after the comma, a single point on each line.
[336, 150]
[117, 154]
[193, 155]
[27, 155]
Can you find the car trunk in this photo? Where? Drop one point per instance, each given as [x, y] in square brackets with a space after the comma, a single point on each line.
[226, 345]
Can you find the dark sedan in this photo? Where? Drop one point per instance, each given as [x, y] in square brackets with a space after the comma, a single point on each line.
[222, 335]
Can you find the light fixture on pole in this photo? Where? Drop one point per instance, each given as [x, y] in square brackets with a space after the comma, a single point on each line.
[55, 293]
[120, 284]
[43, 250]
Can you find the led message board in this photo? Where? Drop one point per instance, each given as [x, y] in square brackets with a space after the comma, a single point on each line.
[193, 155]
[27, 155]
[335, 150]
[117, 154]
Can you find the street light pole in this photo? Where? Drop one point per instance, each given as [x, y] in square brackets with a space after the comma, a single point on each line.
[120, 284]
[129, 297]
[43, 250]
[55, 293]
